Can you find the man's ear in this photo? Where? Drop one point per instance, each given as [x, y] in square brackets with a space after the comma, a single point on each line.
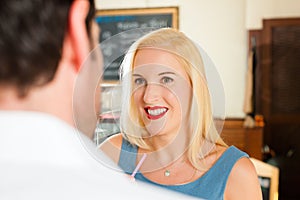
[78, 35]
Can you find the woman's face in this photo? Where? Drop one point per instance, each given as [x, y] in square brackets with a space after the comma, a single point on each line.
[161, 91]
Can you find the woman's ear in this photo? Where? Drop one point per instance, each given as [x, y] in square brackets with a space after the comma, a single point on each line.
[78, 35]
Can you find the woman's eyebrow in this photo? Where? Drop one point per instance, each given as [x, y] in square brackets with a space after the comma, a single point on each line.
[136, 75]
[163, 73]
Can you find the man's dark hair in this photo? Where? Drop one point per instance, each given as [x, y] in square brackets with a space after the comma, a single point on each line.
[31, 40]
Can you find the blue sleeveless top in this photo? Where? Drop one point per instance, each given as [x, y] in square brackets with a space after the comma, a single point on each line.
[210, 185]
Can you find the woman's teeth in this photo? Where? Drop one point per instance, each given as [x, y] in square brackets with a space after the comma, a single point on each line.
[156, 112]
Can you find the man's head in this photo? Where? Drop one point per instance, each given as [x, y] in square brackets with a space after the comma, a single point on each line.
[31, 40]
[43, 45]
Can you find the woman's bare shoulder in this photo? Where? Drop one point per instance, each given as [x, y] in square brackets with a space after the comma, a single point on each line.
[243, 181]
[112, 146]
[115, 140]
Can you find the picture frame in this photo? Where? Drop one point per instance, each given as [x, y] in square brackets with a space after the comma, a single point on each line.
[114, 22]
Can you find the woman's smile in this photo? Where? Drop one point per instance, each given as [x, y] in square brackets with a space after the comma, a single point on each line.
[155, 112]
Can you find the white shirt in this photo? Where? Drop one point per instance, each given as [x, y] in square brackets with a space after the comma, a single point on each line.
[42, 157]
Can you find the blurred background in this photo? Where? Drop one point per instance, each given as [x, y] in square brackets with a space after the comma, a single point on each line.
[255, 46]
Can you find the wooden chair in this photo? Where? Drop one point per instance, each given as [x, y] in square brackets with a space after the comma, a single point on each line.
[269, 178]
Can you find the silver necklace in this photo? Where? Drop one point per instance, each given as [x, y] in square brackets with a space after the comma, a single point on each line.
[167, 172]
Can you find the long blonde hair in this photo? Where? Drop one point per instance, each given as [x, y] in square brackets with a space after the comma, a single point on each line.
[201, 119]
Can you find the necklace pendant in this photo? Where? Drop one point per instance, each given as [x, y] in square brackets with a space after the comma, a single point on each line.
[167, 173]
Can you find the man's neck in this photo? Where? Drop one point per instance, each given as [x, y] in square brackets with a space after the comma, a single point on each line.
[54, 98]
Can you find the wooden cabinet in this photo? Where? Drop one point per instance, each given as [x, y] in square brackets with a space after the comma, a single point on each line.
[278, 97]
[249, 140]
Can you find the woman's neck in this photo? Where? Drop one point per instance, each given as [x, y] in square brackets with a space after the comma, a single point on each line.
[166, 149]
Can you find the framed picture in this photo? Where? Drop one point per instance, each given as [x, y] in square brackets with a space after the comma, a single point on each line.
[121, 27]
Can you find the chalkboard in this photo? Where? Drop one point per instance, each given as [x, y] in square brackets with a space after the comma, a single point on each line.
[120, 28]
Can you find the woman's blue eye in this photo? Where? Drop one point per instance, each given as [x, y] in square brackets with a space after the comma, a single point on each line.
[139, 81]
[166, 80]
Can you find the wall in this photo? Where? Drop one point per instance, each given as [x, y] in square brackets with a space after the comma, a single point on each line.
[220, 27]
[257, 10]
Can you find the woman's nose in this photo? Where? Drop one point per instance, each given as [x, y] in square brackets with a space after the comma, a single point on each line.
[152, 93]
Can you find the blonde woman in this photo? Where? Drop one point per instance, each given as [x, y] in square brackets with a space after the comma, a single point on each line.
[167, 125]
